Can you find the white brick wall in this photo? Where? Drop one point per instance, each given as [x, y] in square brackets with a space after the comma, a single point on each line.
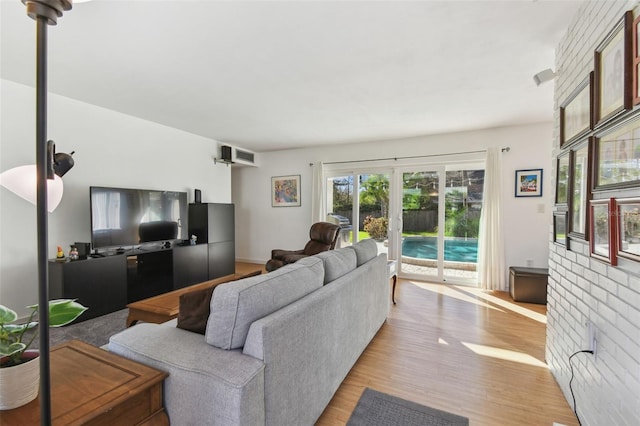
[607, 386]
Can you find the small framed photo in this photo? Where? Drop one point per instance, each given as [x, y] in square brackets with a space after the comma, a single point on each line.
[562, 179]
[603, 230]
[285, 191]
[617, 156]
[529, 183]
[628, 215]
[576, 118]
[613, 76]
[579, 189]
[560, 228]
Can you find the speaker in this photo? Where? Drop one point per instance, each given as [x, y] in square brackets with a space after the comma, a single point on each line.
[197, 196]
[225, 153]
[84, 249]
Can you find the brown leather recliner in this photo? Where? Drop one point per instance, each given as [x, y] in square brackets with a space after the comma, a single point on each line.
[323, 237]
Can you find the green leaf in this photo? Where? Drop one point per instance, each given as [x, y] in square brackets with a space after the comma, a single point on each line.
[63, 311]
[19, 328]
[8, 350]
[7, 315]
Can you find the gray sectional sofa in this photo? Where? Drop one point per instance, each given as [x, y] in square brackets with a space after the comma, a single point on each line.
[277, 346]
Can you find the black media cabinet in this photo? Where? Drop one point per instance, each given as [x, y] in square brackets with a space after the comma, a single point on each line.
[100, 284]
[107, 284]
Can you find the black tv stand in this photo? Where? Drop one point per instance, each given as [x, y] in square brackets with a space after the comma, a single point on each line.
[105, 282]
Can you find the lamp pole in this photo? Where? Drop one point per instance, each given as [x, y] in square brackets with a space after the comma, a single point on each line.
[44, 12]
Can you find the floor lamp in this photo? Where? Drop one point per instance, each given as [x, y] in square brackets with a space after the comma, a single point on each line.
[44, 12]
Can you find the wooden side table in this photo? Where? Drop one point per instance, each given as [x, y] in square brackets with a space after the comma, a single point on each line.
[91, 386]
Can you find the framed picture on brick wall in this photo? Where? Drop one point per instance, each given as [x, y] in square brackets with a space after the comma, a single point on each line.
[628, 216]
[562, 179]
[560, 227]
[579, 192]
[576, 117]
[617, 156]
[636, 60]
[603, 232]
[613, 73]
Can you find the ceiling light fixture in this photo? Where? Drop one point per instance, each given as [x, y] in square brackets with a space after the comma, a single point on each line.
[544, 76]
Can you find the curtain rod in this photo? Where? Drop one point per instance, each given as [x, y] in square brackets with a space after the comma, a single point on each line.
[505, 149]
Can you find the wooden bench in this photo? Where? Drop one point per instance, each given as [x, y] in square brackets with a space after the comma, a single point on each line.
[165, 307]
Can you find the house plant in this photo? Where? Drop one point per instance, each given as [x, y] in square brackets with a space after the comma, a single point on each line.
[19, 367]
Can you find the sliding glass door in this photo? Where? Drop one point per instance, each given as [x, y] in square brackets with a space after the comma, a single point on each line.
[440, 221]
[360, 202]
[427, 217]
[420, 234]
[340, 190]
[463, 204]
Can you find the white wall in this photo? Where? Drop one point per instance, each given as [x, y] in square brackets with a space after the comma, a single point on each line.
[606, 386]
[260, 227]
[112, 149]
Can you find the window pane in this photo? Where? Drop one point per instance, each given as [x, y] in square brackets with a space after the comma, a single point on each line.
[340, 205]
[374, 209]
[463, 204]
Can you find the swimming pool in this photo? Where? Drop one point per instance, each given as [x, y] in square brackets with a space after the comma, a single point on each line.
[454, 250]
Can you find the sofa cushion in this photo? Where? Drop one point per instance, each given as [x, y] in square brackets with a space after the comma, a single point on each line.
[236, 305]
[337, 263]
[194, 310]
[194, 307]
[365, 250]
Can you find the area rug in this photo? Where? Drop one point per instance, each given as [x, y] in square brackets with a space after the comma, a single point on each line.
[379, 409]
[95, 331]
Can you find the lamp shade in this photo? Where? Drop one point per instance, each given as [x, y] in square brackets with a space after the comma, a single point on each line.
[22, 182]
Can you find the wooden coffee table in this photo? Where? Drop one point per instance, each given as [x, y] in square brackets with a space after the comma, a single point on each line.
[165, 307]
[91, 386]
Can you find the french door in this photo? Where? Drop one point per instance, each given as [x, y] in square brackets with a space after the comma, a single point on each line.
[426, 217]
[360, 200]
[439, 222]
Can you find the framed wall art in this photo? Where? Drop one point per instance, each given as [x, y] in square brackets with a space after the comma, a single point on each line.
[529, 183]
[579, 193]
[285, 191]
[612, 71]
[562, 179]
[576, 118]
[628, 215]
[560, 227]
[617, 156]
[636, 60]
[603, 230]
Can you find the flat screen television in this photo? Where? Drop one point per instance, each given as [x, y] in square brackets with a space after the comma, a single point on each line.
[123, 217]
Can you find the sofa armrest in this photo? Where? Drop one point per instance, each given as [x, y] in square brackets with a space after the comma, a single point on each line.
[280, 254]
[206, 385]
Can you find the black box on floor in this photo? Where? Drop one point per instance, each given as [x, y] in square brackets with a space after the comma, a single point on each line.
[528, 285]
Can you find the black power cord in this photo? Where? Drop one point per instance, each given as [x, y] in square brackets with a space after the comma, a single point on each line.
[575, 409]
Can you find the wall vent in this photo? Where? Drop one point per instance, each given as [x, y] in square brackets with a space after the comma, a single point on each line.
[237, 156]
[245, 156]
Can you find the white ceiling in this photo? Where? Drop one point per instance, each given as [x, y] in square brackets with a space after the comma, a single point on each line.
[272, 75]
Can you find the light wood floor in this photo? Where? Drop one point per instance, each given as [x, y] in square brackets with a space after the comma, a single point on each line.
[458, 349]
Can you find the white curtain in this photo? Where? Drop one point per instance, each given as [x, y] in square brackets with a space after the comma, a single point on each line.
[318, 206]
[491, 269]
